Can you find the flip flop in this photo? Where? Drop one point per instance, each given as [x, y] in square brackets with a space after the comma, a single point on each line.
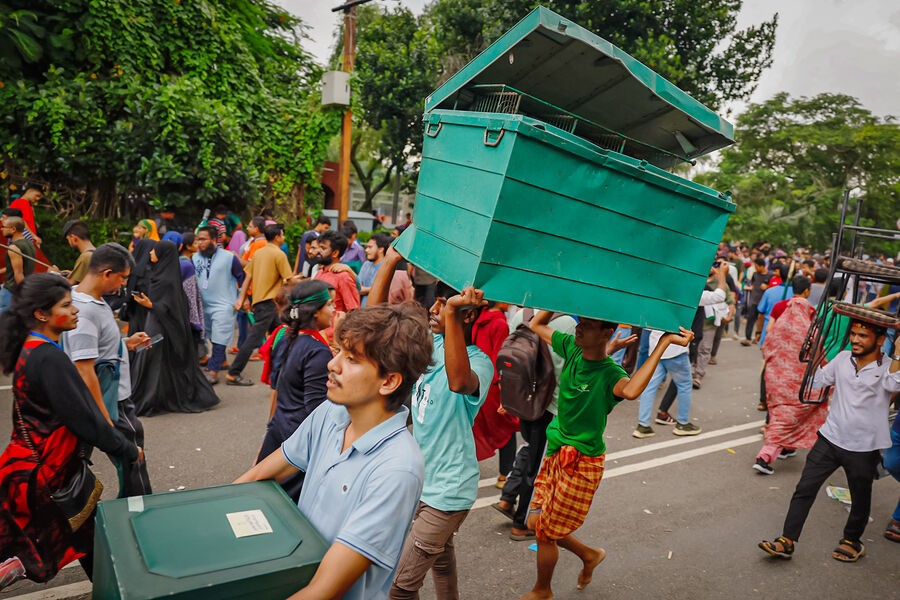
[508, 513]
[521, 537]
[892, 532]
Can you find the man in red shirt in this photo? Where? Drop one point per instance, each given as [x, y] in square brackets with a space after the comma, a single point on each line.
[332, 245]
[33, 194]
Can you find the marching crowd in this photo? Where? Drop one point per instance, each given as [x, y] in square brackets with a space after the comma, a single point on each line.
[409, 368]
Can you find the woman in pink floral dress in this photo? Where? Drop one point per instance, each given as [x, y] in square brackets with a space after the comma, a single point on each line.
[792, 425]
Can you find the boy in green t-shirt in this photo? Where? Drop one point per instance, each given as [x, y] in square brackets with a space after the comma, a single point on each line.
[590, 386]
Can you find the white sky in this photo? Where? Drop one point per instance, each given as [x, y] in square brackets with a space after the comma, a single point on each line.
[840, 46]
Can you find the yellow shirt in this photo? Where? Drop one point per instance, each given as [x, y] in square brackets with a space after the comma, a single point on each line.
[267, 270]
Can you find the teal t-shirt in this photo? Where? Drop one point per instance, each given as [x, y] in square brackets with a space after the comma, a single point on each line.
[442, 425]
[585, 399]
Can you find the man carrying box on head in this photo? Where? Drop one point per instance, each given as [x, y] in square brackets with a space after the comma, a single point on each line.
[363, 469]
[590, 386]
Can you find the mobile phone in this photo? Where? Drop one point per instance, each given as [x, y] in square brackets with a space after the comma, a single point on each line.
[151, 342]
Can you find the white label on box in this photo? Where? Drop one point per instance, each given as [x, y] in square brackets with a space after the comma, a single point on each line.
[135, 504]
[248, 522]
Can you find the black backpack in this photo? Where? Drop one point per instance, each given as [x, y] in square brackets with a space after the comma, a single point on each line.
[526, 372]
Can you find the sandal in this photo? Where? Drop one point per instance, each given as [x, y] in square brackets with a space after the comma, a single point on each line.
[893, 531]
[509, 513]
[848, 551]
[781, 547]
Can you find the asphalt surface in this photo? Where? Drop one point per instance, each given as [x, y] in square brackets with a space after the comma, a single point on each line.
[678, 517]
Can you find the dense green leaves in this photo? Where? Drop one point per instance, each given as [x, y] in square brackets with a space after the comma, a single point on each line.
[163, 102]
[793, 159]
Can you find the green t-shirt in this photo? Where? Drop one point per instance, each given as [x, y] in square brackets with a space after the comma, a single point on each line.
[26, 248]
[585, 399]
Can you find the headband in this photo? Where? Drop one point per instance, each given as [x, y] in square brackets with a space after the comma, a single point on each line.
[320, 296]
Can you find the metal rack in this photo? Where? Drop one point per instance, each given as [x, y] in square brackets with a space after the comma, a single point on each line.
[848, 273]
[500, 98]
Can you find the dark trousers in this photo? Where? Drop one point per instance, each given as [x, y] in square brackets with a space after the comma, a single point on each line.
[265, 316]
[520, 483]
[507, 456]
[751, 320]
[134, 480]
[821, 462]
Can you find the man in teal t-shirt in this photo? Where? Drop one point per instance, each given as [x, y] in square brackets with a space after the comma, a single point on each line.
[590, 386]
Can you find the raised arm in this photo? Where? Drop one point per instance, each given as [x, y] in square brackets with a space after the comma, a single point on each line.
[381, 287]
[539, 325]
[460, 376]
[631, 388]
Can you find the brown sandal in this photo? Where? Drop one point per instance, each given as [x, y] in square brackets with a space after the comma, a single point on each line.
[848, 552]
[781, 547]
[892, 532]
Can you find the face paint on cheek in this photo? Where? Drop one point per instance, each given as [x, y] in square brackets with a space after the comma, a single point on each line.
[60, 321]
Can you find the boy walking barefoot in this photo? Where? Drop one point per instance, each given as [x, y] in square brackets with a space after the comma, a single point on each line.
[590, 386]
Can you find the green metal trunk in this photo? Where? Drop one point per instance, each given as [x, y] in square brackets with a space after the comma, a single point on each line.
[541, 206]
[182, 545]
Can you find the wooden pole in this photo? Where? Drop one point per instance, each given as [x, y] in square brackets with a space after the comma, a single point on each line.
[347, 124]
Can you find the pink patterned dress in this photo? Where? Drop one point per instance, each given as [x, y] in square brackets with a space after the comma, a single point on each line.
[791, 424]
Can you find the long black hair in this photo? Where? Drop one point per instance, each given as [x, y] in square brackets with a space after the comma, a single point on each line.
[39, 291]
[299, 315]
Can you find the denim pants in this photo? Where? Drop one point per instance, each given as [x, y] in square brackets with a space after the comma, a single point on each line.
[679, 367]
[892, 464]
[5, 299]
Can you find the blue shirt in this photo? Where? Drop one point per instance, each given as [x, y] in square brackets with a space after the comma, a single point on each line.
[366, 277]
[365, 497]
[442, 425]
[770, 298]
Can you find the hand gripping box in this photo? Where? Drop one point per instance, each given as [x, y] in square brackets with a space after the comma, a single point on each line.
[544, 182]
[234, 541]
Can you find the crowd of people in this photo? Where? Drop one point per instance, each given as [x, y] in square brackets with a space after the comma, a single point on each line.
[379, 443]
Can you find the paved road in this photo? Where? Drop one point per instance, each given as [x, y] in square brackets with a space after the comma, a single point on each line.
[679, 517]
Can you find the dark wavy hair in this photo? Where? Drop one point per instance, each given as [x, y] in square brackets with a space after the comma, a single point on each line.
[39, 291]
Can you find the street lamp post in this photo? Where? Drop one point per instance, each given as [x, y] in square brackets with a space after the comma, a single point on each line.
[349, 9]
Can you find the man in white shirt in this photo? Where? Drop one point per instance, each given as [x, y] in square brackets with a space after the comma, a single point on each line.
[853, 435]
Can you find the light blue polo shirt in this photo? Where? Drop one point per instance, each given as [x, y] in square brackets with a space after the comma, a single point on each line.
[442, 425]
[365, 497]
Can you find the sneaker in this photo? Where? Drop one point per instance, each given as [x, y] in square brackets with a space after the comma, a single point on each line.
[664, 418]
[643, 431]
[11, 571]
[237, 380]
[713, 361]
[686, 429]
[785, 453]
[763, 467]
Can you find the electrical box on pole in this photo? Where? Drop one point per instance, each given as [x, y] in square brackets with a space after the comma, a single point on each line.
[336, 88]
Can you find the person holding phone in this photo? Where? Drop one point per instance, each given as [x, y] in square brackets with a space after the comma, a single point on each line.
[167, 377]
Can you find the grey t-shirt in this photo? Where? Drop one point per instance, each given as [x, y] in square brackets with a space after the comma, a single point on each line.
[816, 291]
[97, 337]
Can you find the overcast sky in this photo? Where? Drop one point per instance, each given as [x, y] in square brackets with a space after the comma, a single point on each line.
[846, 46]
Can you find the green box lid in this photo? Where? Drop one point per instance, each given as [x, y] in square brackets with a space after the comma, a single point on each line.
[547, 64]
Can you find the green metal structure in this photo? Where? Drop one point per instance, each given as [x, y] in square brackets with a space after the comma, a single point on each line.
[543, 180]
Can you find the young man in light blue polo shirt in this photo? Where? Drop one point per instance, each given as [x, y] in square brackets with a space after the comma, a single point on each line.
[364, 471]
[445, 401]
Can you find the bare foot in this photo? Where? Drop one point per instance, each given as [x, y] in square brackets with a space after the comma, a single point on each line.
[537, 595]
[587, 572]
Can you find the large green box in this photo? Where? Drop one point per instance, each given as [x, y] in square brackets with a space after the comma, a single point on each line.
[543, 183]
[183, 545]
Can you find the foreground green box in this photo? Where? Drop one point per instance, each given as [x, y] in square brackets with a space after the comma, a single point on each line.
[183, 545]
[543, 180]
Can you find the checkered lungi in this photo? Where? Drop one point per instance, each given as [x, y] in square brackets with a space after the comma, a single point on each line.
[563, 492]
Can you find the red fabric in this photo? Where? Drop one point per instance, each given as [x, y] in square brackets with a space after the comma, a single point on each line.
[27, 213]
[31, 525]
[791, 424]
[491, 429]
[266, 352]
[346, 294]
[778, 309]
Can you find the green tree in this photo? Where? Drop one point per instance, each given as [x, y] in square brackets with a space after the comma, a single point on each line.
[162, 103]
[695, 44]
[793, 159]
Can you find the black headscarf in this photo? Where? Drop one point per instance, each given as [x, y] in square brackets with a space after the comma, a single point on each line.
[138, 281]
[167, 294]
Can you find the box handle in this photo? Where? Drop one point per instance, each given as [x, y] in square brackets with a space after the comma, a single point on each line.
[433, 133]
[495, 142]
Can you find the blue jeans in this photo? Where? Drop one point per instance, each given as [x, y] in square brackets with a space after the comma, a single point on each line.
[892, 463]
[679, 368]
[643, 349]
[243, 324]
[5, 299]
[216, 358]
[622, 332]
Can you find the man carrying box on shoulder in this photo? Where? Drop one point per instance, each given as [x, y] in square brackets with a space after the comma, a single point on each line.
[364, 471]
[590, 386]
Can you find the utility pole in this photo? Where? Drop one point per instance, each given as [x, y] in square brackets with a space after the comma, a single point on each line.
[349, 10]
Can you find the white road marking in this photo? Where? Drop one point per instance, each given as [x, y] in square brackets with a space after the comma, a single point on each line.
[60, 592]
[661, 445]
[3, 388]
[653, 463]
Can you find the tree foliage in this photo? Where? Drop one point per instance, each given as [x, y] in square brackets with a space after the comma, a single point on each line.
[119, 104]
[695, 44]
[793, 159]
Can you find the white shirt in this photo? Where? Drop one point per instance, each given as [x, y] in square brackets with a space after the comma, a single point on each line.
[858, 415]
[671, 352]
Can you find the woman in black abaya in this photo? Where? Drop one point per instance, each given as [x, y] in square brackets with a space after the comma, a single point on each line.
[138, 281]
[166, 377]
